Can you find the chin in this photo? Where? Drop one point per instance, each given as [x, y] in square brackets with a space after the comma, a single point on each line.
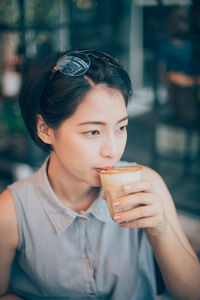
[97, 185]
[96, 182]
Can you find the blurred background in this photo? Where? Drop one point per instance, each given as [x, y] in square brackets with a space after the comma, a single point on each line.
[158, 42]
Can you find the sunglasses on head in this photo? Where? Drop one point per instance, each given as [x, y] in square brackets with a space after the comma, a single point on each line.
[78, 63]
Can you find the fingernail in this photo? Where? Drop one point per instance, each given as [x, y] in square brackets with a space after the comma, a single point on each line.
[116, 217]
[116, 204]
[127, 188]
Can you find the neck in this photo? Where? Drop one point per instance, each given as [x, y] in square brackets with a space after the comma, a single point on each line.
[78, 196]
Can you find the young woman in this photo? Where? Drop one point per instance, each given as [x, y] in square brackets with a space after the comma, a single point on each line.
[57, 239]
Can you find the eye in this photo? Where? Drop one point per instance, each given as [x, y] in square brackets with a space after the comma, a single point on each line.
[121, 129]
[91, 133]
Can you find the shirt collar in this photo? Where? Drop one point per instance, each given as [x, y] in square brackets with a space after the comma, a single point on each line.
[99, 209]
[59, 214]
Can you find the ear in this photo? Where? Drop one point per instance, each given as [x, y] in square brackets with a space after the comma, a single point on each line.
[43, 130]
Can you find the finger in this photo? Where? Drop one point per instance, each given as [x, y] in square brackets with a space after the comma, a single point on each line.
[137, 186]
[150, 222]
[134, 200]
[138, 213]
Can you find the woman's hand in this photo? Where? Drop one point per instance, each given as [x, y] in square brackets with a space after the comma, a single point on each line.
[148, 204]
[140, 207]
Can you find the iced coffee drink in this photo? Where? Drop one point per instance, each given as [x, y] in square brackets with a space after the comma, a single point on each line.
[113, 180]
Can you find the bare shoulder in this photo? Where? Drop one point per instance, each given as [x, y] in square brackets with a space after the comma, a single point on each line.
[8, 218]
[9, 237]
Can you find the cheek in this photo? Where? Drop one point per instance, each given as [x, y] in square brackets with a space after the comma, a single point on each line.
[122, 146]
[84, 150]
[123, 143]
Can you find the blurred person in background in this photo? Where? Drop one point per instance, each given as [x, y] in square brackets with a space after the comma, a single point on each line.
[179, 67]
[57, 238]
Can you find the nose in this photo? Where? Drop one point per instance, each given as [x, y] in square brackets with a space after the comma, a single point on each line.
[109, 147]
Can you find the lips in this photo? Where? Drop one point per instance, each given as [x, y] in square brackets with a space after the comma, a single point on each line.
[104, 168]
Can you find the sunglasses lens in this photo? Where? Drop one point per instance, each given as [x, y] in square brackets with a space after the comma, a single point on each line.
[73, 65]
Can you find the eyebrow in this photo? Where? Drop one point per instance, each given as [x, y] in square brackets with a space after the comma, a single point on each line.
[102, 123]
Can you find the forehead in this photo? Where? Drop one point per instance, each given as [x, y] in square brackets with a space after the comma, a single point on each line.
[101, 101]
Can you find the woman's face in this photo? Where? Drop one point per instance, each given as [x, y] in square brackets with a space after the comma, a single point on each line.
[93, 138]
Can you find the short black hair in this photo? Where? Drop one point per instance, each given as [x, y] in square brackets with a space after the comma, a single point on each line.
[56, 99]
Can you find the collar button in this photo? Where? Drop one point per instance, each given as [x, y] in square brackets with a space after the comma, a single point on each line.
[83, 218]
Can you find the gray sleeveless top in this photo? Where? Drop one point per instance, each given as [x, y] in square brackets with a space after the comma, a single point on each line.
[67, 255]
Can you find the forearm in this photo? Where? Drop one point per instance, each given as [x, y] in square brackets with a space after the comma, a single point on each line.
[180, 270]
